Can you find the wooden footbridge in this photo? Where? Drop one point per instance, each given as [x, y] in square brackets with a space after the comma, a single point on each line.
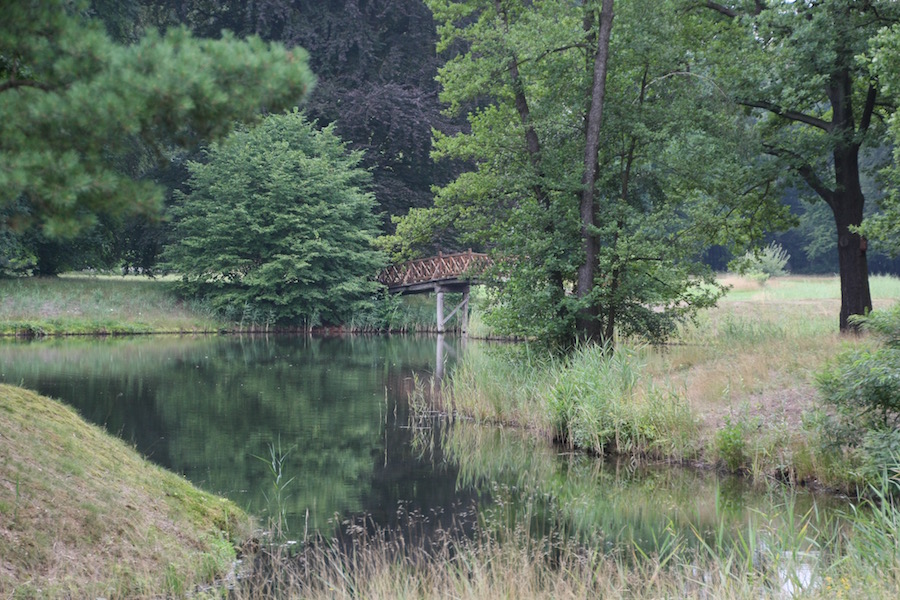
[439, 274]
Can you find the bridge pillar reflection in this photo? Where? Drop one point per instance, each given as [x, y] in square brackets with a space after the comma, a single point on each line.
[439, 291]
[442, 350]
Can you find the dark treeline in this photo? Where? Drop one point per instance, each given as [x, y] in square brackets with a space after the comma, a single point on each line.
[375, 64]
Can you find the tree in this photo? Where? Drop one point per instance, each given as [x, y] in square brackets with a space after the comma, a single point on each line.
[794, 66]
[885, 67]
[528, 79]
[376, 67]
[74, 101]
[278, 222]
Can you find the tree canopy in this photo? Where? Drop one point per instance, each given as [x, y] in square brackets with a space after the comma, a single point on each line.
[885, 66]
[74, 102]
[278, 222]
[527, 82]
[799, 68]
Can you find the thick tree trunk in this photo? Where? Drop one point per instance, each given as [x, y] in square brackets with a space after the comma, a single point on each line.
[587, 323]
[848, 201]
[856, 299]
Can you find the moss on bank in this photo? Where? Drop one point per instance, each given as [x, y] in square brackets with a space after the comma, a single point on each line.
[82, 514]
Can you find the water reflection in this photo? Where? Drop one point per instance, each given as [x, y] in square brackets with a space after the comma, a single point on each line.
[207, 407]
[616, 501]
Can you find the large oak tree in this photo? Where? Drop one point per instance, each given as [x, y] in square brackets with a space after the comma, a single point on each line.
[795, 66]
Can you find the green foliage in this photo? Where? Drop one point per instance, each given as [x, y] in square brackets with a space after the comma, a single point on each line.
[760, 265]
[731, 443]
[278, 227]
[657, 208]
[74, 102]
[863, 387]
[884, 64]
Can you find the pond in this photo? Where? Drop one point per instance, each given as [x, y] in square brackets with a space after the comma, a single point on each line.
[333, 414]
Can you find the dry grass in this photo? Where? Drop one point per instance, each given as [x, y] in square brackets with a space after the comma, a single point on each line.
[499, 560]
[83, 515]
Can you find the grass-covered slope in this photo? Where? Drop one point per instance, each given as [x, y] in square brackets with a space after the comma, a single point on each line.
[84, 515]
[97, 305]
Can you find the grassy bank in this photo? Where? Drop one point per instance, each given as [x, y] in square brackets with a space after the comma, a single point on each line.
[82, 515]
[97, 305]
[735, 389]
[113, 305]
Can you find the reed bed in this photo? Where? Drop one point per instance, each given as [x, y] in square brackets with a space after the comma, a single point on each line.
[494, 558]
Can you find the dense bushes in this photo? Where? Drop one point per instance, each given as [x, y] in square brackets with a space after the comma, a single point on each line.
[862, 389]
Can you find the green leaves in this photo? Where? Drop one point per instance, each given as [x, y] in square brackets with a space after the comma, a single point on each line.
[279, 221]
[678, 168]
[73, 100]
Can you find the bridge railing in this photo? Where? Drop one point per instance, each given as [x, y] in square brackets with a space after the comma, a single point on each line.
[435, 268]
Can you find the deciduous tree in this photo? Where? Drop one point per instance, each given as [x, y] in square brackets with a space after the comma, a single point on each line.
[279, 222]
[795, 67]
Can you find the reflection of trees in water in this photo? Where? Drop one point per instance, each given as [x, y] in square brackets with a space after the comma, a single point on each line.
[613, 501]
[206, 406]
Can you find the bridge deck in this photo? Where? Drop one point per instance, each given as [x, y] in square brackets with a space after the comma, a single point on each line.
[450, 272]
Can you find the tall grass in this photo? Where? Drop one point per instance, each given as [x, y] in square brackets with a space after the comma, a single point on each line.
[485, 556]
[590, 400]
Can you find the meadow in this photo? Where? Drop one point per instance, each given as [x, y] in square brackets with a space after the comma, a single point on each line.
[735, 389]
[100, 305]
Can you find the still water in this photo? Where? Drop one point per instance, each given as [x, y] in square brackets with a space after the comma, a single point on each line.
[335, 411]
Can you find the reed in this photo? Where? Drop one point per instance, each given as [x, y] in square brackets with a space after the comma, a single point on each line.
[771, 557]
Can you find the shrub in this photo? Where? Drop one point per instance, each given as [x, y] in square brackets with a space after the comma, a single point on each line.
[760, 265]
[863, 389]
[278, 227]
[731, 444]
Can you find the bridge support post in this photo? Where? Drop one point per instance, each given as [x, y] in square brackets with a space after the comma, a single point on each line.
[440, 308]
[464, 317]
[463, 306]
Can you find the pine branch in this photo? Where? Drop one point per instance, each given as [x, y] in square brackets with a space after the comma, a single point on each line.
[12, 84]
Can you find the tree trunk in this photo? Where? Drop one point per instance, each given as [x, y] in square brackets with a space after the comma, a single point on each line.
[587, 324]
[847, 203]
[856, 299]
